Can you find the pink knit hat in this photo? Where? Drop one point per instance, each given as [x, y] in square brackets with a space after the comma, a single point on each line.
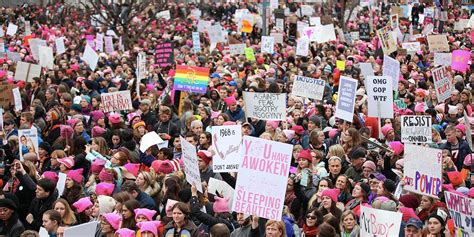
[132, 168]
[82, 204]
[114, 118]
[105, 176]
[273, 123]
[162, 166]
[104, 189]
[131, 116]
[96, 115]
[230, 100]
[221, 205]
[332, 133]
[97, 131]
[289, 134]
[214, 114]
[125, 232]
[420, 107]
[386, 128]
[229, 123]
[113, 219]
[72, 122]
[331, 193]
[149, 226]
[397, 147]
[67, 161]
[97, 166]
[75, 175]
[462, 128]
[51, 176]
[145, 212]
[66, 131]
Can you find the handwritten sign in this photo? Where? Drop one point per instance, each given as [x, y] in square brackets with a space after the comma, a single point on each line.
[17, 99]
[249, 54]
[109, 44]
[461, 211]
[411, 47]
[60, 48]
[116, 101]
[268, 43]
[302, 47]
[46, 58]
[12, 29]
[346, 98]
[226, 142]
[261, 183]
[164, 55]
[375, 222]
[236, 49]
[416, 129]
[278, 37]
[265, 106]
[460, 60]
[389, 44]
[391, 68]
[380, 101]
[34, 46]
[442, 83]
[364, 31]
[191, 167]
[442, 59]
[422, 170]
[26, 71]
[438, 43]
[196, 42]
[308, 87]
[191, 79]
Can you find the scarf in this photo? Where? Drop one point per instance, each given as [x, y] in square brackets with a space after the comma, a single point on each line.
[310, 231]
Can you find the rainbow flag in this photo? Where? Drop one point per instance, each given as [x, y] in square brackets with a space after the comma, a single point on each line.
[191, 79]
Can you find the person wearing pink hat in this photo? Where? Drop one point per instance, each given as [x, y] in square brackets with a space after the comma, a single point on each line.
[388, 132]
[104, 189]
[83, 207]
[235, 112]
[304, 160]
[149, 228]
[271, 126]
[329, 201]
[144, 214]
[73, 188]
[124, 232]
[66, 164]
[110, 223]
[368, 168]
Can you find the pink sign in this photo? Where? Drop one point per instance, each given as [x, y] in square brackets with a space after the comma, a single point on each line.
[460, 60]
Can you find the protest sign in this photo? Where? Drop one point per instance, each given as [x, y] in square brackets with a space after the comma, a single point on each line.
[389, 44]
[164, 54]
[375, 222]
[191, 79]
[308, 87]
[164, 14]
[141, 68]
[90, 57]
[346, 98]
[278, 37]
[416, 129]
[280, 24]
[27, 28]
[116, 101]
[249, 54]
[366, 69]
[226, 141]
[61, 183]
[461, 211]
[15, 57]
[60, 48]
[460, 60]
[149, 139]
[247, 22]
[394, 21]
[99, 42]
[17, 99]
[86, 229]
[261, 183]
[411, 47]
[302, 47]
[196, 42]
[442, 83]
[46, 58]
[422, 169]
[236, 49]
[400, 104]
[215, 34]
[428, 28]
[325, 34]
[364, 31]
[438, 43]
[265, 106]
[109, 44]
[34, 46]
[442, 59]
[28, 139]
[268, 43]
[391, 68]
[12, 29]
[216, 186]
[191, 167]
[26, 71]
[380, 93]
[6, 95]
[341, 65]
[315, 21]
[354, 35]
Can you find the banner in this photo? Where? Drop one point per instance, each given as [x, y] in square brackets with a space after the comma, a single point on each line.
[302, 47]
[416, 129]
[442, 59]
[226, 142]
[375, 222]
[164, 54]
[191, 167]
[438, 43]
[460, 60]
[263, 174]
[391, 68]
[389, 45]
[422, 170]
[28, 139]
[380, 93]
[461, 211]
[308, 87]
[196, 42]
[267, 44]
[116, 101]
[346, 98]
[236, 49]
[265, 106]
[442, 83]
[191, 79]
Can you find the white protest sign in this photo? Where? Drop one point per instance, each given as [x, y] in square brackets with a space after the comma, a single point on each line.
[60, 48]
[263, 174]
[423, 170]
[268, 43]
[375, 222]
[86, 229]
[354, 35]
[149, 139]
[203, 26]
[215, 34]
[46, 58]
[26, 72]
[28, 139]
[17, 99]
[380, 93]
[109, 44]
[90, 57]
[226, 141]
[461, 209]
[191, 167]
[116, 101]
[196, 42]
[164, 14]
[2, 33]
[308, 87]
[315, 21]
[278, 37]
[442, 83]
[141, 68]
[366, 69]
[12, 28]
[302, 46]
[416, 129]
[326, 33]
[236, 49]
[279, 24]
[346, 98]
[443, 59]
[196, 13]
[61, 183]
[391, 68]
[265, 106]
[27, 28]
[34, 46]
[411, 47]
[218, 186]
[43, 232]
[99, 42]
[389, 44]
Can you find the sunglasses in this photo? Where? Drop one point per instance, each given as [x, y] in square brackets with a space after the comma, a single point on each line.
[311, 217]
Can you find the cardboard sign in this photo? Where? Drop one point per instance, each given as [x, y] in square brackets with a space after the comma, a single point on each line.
[46, 58]
[6, 95]
[116, 101]
[389, 44]
[261, 183]
[366, 70]
[346, 98]
[26, 71]
[265, 106]
[327, 33]
[438, 43]
[442, 59]
[375, 222]
[236, 49]
[461, 211]
[196, 42]
[28, 139]
[364, 31]
[191, 167]
[302, 47]
[226, 141]
[90, 57]
[215, 34]
[460, 60]
[60, 48]
[422, 170]
[280, 24]
[442, 83]
[308, 87]
[191, 79]
[380, 93]
[391, 68]
[416, 129]
[268, 44]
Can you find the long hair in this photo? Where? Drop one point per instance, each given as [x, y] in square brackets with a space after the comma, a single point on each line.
[73, 194]
[130, 223]
[69, 218]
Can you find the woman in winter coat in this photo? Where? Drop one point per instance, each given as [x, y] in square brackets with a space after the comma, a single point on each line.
[181, 225]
